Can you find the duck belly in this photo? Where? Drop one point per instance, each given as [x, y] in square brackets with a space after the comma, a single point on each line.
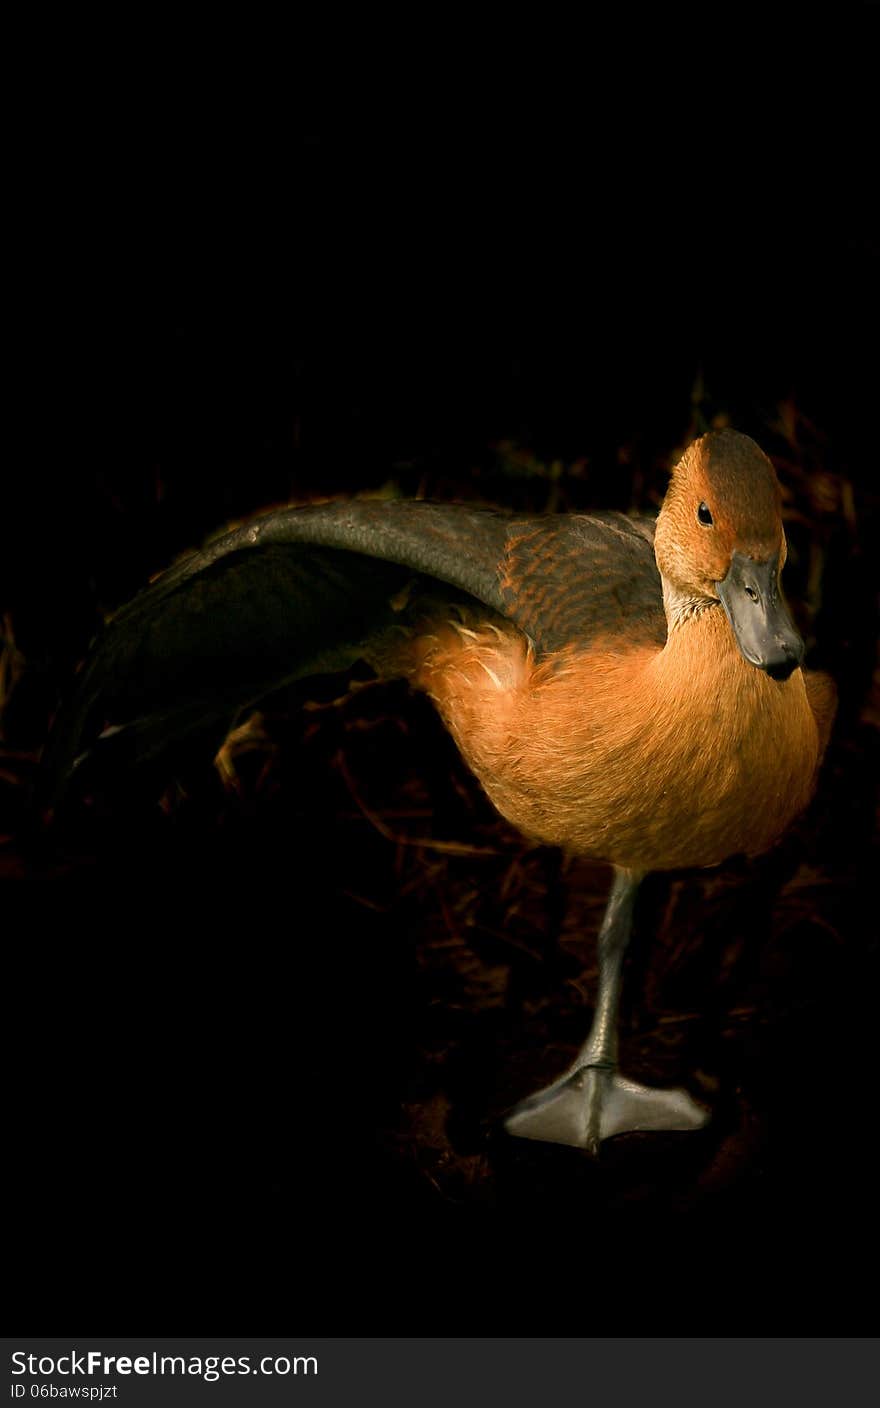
[597, 754]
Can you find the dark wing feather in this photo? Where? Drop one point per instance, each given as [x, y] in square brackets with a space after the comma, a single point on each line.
[301, 590]
[570, 579]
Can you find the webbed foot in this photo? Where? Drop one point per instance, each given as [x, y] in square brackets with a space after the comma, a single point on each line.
[593, 1103]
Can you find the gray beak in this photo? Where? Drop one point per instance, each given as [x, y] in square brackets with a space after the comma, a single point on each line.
[764, 630]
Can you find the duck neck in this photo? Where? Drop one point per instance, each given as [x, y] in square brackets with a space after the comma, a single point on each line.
[702, 661]
[683, 604]
[700, 645]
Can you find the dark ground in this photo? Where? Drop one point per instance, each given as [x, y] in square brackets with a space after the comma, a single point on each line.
[263, 1033]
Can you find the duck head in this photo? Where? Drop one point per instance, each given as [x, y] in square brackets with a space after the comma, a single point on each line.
[720, 540]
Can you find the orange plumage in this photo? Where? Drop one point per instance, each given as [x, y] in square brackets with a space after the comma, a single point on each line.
[649, 756]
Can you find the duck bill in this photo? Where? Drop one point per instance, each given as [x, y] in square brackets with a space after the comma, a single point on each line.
[764, 630]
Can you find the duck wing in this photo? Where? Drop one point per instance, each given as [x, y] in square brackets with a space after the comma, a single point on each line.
[570, 578]
[300, 591]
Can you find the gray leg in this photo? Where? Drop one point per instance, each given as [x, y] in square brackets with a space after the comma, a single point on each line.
[591, 1101]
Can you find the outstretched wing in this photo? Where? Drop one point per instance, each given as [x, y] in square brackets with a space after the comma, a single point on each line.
[303, 590]
[567, 579]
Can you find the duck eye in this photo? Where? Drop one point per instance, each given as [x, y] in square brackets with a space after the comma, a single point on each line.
[704, 515]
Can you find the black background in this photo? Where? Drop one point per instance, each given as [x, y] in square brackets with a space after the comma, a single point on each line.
[247, 1082]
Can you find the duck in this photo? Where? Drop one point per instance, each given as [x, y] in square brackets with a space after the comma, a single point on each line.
[630, 690]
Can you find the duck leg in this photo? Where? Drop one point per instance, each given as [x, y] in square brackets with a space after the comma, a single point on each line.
[591, 1101]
